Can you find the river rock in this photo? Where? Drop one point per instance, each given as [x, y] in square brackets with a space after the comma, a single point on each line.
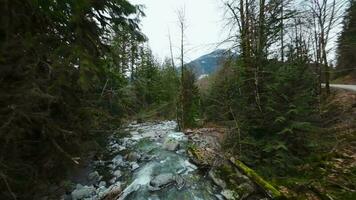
[82, 192]
[171, 145]
[118, 161]
[228, 194]
[128, 142]
[102, 184]
[219, 197]
[114, 146]
[134, 166]
[181, 151]
[113, 180]
[112, 192]
[95, 177]
[216, 179]
[188, 132]
[179, 182]
[133, 156]
[161, 181]
[100, 191]
[117, 173]
[147, 158]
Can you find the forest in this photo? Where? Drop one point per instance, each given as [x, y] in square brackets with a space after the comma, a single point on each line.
[74, 74]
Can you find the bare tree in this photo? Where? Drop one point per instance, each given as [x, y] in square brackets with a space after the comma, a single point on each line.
[171, 49]
[282, 31]
[258, 23]
[182, 28]
[326, 14]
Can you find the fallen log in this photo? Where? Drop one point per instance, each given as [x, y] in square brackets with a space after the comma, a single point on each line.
[269, 188]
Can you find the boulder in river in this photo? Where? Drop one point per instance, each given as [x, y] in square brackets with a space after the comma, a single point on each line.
[161, 181]
[171, 145]
[133, 156]
[147, 158]
[117, 173]
[134, 166]
[118, 161]
[164, 180]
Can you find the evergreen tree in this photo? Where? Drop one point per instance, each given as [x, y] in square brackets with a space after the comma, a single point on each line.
[52, 58]
[191, 101]
[146, 79]
[347, 43]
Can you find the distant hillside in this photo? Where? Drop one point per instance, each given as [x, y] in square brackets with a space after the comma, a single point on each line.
[208, 64]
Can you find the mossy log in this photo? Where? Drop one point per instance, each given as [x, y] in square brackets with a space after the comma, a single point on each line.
[269, 188]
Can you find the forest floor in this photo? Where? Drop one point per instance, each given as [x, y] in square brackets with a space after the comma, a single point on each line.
[329, 172]
[340, 164]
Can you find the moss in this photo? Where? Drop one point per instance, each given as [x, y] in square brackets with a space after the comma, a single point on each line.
[257, 179]
[197, 153]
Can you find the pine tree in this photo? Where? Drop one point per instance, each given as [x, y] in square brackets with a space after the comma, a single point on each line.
[191, 101]
[52, 56]
[347, 43]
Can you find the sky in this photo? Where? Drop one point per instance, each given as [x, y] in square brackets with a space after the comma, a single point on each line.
[204, 26]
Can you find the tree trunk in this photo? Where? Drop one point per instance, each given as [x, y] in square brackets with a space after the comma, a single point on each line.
[326, 73]
[282, 31]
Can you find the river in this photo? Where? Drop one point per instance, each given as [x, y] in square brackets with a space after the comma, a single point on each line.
[149, 163]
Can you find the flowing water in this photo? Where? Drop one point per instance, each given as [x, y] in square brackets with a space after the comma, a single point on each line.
[148, 165]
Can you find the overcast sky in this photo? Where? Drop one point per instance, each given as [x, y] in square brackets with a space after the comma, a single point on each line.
[204, 26]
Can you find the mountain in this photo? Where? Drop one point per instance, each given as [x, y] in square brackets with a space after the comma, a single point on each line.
[208, 64]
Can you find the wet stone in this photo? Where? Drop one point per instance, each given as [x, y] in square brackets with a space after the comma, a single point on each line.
[118, 161]
[133, 157]
[117, 173]
[171, 145]
[102, 184]
[134, 166]
[219, 197]
[228, 194]
[162, 180]
[179, 182]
